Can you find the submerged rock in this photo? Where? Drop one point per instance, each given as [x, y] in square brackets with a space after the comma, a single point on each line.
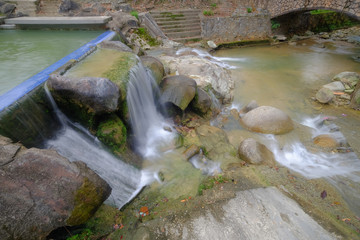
[156, 67]
[324, 95]
[191, 151]
[42, 191]
[178, 90]
[254, 152]
[325, 141]
[251, 105]
[268, 120]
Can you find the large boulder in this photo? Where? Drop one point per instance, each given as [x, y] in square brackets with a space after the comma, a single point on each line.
[178, 90]
[203, 71]
[201, 102]
[83, 98]
[98, 95]
[7, 8]
[254, 152]
[156, 67]
[268, 120]
[349, 79]
[122, 21]
[42, 191]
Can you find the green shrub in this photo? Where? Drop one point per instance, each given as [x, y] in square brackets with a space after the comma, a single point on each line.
[85, 235]
[135, 14]
[274, 24]
[213, 5]
[249, 10]
[208, 13]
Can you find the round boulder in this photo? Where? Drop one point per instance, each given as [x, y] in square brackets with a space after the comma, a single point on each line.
[268, 120]
[178, 90]
[156, 67]
[254, 152]
[324, 95]
[348, 78]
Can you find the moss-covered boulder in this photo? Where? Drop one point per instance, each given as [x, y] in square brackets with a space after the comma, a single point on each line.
[156, 67]
[355, 98]
[178, 90]
[112, 132]
[42, 191]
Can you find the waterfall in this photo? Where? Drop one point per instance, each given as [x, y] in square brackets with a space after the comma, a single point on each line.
[147, 123]
[77, 144]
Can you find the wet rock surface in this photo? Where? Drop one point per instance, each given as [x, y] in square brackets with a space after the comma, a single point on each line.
[156, 67]
[254, 152]
[266, 119]
[42, 191]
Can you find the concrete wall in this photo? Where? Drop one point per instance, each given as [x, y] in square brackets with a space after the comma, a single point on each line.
[249, 26]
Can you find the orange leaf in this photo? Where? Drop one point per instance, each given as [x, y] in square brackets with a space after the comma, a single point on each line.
[184, 200]
[338, 93]
[346, 219]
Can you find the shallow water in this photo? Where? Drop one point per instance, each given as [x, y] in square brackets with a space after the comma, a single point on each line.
[287, 77]
[25, 53]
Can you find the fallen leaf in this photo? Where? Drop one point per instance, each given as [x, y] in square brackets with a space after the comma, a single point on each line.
[336, 203]
[346, 219]
[323, 194]
[121, 226]
[184, 200]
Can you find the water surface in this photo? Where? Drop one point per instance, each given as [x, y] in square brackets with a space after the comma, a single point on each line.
[24, 53]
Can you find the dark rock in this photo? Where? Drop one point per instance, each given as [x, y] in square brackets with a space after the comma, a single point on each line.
[96, 95]
[202, 102]
[68, 5]
[268, 120]
[324, 95]
[42, 191]
[252, 105]
[178, 90]
[7, 8]
[117, 45]
[254, 152]
[156, 67]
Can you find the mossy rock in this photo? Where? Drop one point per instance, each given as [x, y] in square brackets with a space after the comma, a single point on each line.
[156, 67]
[119, 72]
[112, 132]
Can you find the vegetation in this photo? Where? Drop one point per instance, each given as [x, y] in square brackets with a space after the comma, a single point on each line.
[274, 24]
[213, 5]
[142, 32]
[135, 14]
[249, 10]
[329, 20]
[320, 11]
[210, 183]
[86, 234]
[208, 12]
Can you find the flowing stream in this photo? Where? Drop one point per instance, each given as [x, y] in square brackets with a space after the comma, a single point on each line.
[287, 77]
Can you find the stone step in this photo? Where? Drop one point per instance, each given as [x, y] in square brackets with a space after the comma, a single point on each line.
[174, 12]
[162, 19]
[165, 23]
[183, 34]
[187, 39]
[180, 25]
[28, 7]
[181, 29]
[7, 26]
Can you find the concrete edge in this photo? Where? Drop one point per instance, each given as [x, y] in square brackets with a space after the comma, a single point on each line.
[13, 95]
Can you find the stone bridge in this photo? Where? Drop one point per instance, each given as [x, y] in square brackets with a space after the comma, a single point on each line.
[281, 7]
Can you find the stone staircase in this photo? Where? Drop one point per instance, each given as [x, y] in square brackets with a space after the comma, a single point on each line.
[49, 8]
[27, 7]
[179, 25]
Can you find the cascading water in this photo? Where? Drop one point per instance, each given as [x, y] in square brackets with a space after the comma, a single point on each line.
[147, 123]
[77, 144]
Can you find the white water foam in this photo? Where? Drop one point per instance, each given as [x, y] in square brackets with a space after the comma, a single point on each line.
[220, 61]
[297, 157]
[147, 123]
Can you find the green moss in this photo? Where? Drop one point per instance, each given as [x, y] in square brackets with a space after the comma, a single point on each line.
[143, 33]
[249, 10]
[210, 182]
[320, 11]
[135, 14]
[86, 234]
[208, 13]
[112, 132]
[274, 24]
[87, 199]
[119, 72]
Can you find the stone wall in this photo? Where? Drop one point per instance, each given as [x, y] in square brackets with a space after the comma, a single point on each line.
[280, 7]
[249, 26]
